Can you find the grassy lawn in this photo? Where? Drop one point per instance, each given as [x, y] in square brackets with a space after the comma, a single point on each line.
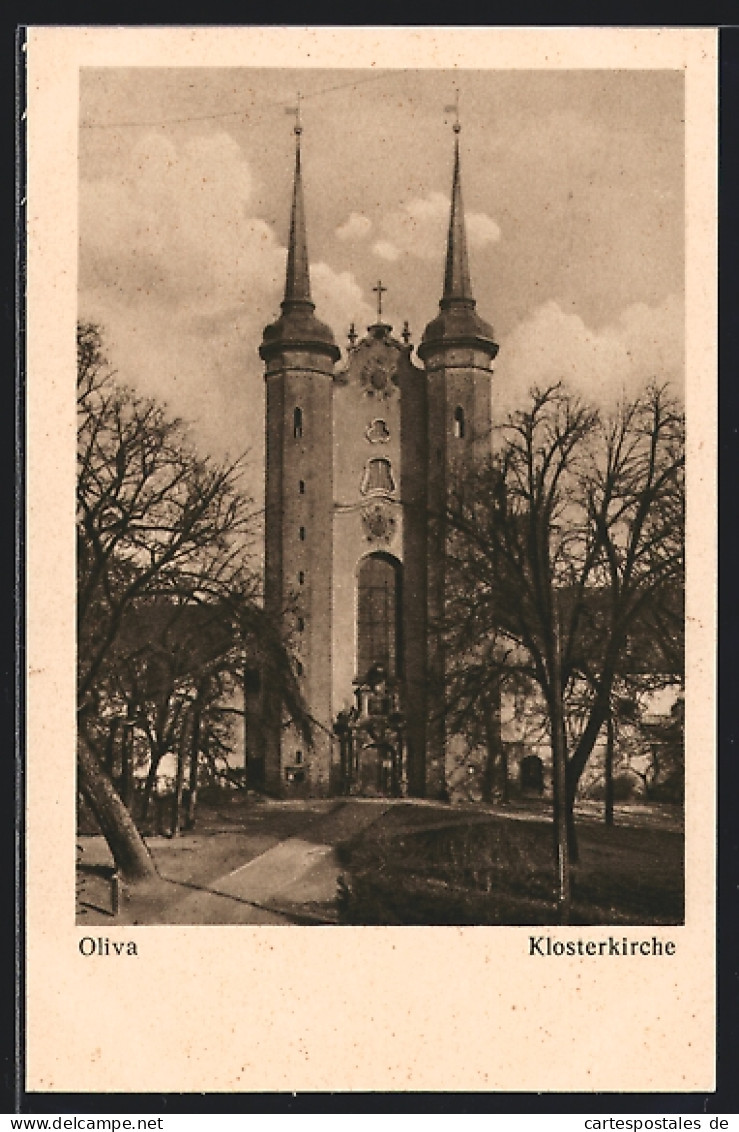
[421, 862]
[424, 865]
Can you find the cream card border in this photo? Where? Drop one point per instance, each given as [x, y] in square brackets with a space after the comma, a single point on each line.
[231, 1009]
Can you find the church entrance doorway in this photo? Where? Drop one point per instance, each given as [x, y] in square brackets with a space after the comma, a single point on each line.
[372, 740]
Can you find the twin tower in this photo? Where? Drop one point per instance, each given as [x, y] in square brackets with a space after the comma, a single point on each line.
[358, 460]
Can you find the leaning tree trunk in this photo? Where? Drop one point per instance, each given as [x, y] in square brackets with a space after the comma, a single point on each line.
[131, 856]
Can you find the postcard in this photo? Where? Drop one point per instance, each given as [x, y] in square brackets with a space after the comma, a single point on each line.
[371, 559]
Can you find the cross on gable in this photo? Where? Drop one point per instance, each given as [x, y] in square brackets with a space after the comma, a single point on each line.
[379, 291]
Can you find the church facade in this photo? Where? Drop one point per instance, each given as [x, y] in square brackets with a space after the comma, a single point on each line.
[359, 451]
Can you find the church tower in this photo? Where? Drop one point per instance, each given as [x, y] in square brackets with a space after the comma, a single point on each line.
[457, 350]
[359, 460]
[299, 353]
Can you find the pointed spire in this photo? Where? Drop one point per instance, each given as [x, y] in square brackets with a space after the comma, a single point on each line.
[457, 286]
[297, 328]
[457, 323]
[297, 278]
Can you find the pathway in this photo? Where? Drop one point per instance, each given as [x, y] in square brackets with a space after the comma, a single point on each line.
[293, 882]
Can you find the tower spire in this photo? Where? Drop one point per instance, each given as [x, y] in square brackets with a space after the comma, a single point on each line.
[297, 278]
[297, 328]
[457, 286]
[457, 323]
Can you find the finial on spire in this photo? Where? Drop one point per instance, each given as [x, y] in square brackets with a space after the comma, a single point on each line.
[352, 335]
[295, 112]
[454, 109]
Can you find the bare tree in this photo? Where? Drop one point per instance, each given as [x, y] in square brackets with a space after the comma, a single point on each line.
[160, 531]
[559, 548]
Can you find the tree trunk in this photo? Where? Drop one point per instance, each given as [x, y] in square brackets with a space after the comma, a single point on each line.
[110, 747]
[180, 779]
[491, 752]
[131, 856]
[194, 767]
[151, 777]
[610, 743]
[564, 829]
[127, 783]
[495, 762]
[573, 846]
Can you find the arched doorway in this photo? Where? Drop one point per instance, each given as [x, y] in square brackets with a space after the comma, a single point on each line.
[378, 615]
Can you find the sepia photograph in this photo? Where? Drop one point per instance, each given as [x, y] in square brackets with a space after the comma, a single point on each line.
[371, 557]
[381, 497]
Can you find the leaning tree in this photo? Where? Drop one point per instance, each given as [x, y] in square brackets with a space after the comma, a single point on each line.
[161, 532]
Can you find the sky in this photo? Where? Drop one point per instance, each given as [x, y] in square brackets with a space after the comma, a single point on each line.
[573, 192]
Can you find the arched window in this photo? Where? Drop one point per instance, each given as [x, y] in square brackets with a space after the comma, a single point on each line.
[459, 422]
[297, 423]
[378, 614]
[377, 478]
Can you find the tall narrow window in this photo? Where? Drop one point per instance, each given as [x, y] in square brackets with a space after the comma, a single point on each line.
[302, 534]
[301, 624]
[297, 423]
[459, 422]
[378, 614]
[301, 487]
[301, 577]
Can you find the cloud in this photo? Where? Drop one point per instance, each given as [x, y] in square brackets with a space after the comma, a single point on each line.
[183, 278]
[642, 344]
[338, 298]
[355, 227]
[419, 228]
[481, 229]
[385, 250]
[175, 227]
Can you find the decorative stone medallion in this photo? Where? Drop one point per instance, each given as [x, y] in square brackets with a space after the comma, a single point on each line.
[376, 378]
[378, 522]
